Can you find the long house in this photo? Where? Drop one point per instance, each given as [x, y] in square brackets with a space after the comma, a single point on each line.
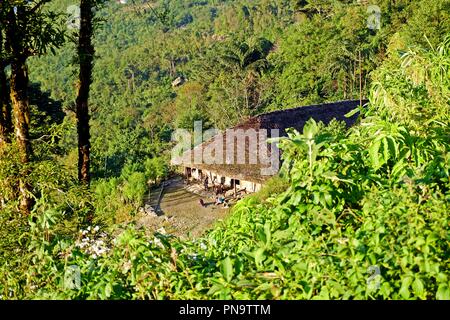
[249, 175]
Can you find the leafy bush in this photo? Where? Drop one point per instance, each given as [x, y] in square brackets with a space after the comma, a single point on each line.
[135, 187]
[156, 169]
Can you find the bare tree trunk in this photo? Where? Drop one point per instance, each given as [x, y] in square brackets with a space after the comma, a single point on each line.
[360, 78]
[365, 86]
[21, 108]
[353, 79]
[344, 86]
[5, 108]
[173, 71]
[19, 98]
[86, 57]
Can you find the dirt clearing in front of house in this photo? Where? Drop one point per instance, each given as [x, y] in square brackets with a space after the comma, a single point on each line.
[182, 214]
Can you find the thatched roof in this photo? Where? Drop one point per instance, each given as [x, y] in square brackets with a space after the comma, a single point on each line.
[282, 120]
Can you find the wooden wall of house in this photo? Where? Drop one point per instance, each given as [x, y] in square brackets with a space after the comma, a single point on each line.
[200, 175]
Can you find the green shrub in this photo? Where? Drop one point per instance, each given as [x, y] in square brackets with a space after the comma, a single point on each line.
[134, 189]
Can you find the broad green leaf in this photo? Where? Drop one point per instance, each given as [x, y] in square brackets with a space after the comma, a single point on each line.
[443, 292]
[418, 287]
[259, 256]
[385, 149]
[108, 290]
[215, 288]
[227, 269]
[351, 113]
[268, 233]
[404, 290]
[373, 154]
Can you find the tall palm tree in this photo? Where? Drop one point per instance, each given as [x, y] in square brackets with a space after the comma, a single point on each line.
[246, 56]
[247, 60]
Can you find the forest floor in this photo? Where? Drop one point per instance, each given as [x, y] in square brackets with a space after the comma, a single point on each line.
[181, 213]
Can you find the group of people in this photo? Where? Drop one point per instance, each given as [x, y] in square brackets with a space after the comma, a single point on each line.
[219, 190]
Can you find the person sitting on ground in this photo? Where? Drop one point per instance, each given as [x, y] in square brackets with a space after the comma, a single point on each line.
[220, 200]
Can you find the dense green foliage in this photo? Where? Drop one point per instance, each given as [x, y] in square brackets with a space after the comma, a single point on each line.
[347, 201]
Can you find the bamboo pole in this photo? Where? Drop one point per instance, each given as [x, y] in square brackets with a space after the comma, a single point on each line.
[360, 78]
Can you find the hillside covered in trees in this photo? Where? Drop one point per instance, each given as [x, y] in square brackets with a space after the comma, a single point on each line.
[88, 107]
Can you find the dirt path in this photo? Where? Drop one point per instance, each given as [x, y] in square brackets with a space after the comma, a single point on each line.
[182, 215]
